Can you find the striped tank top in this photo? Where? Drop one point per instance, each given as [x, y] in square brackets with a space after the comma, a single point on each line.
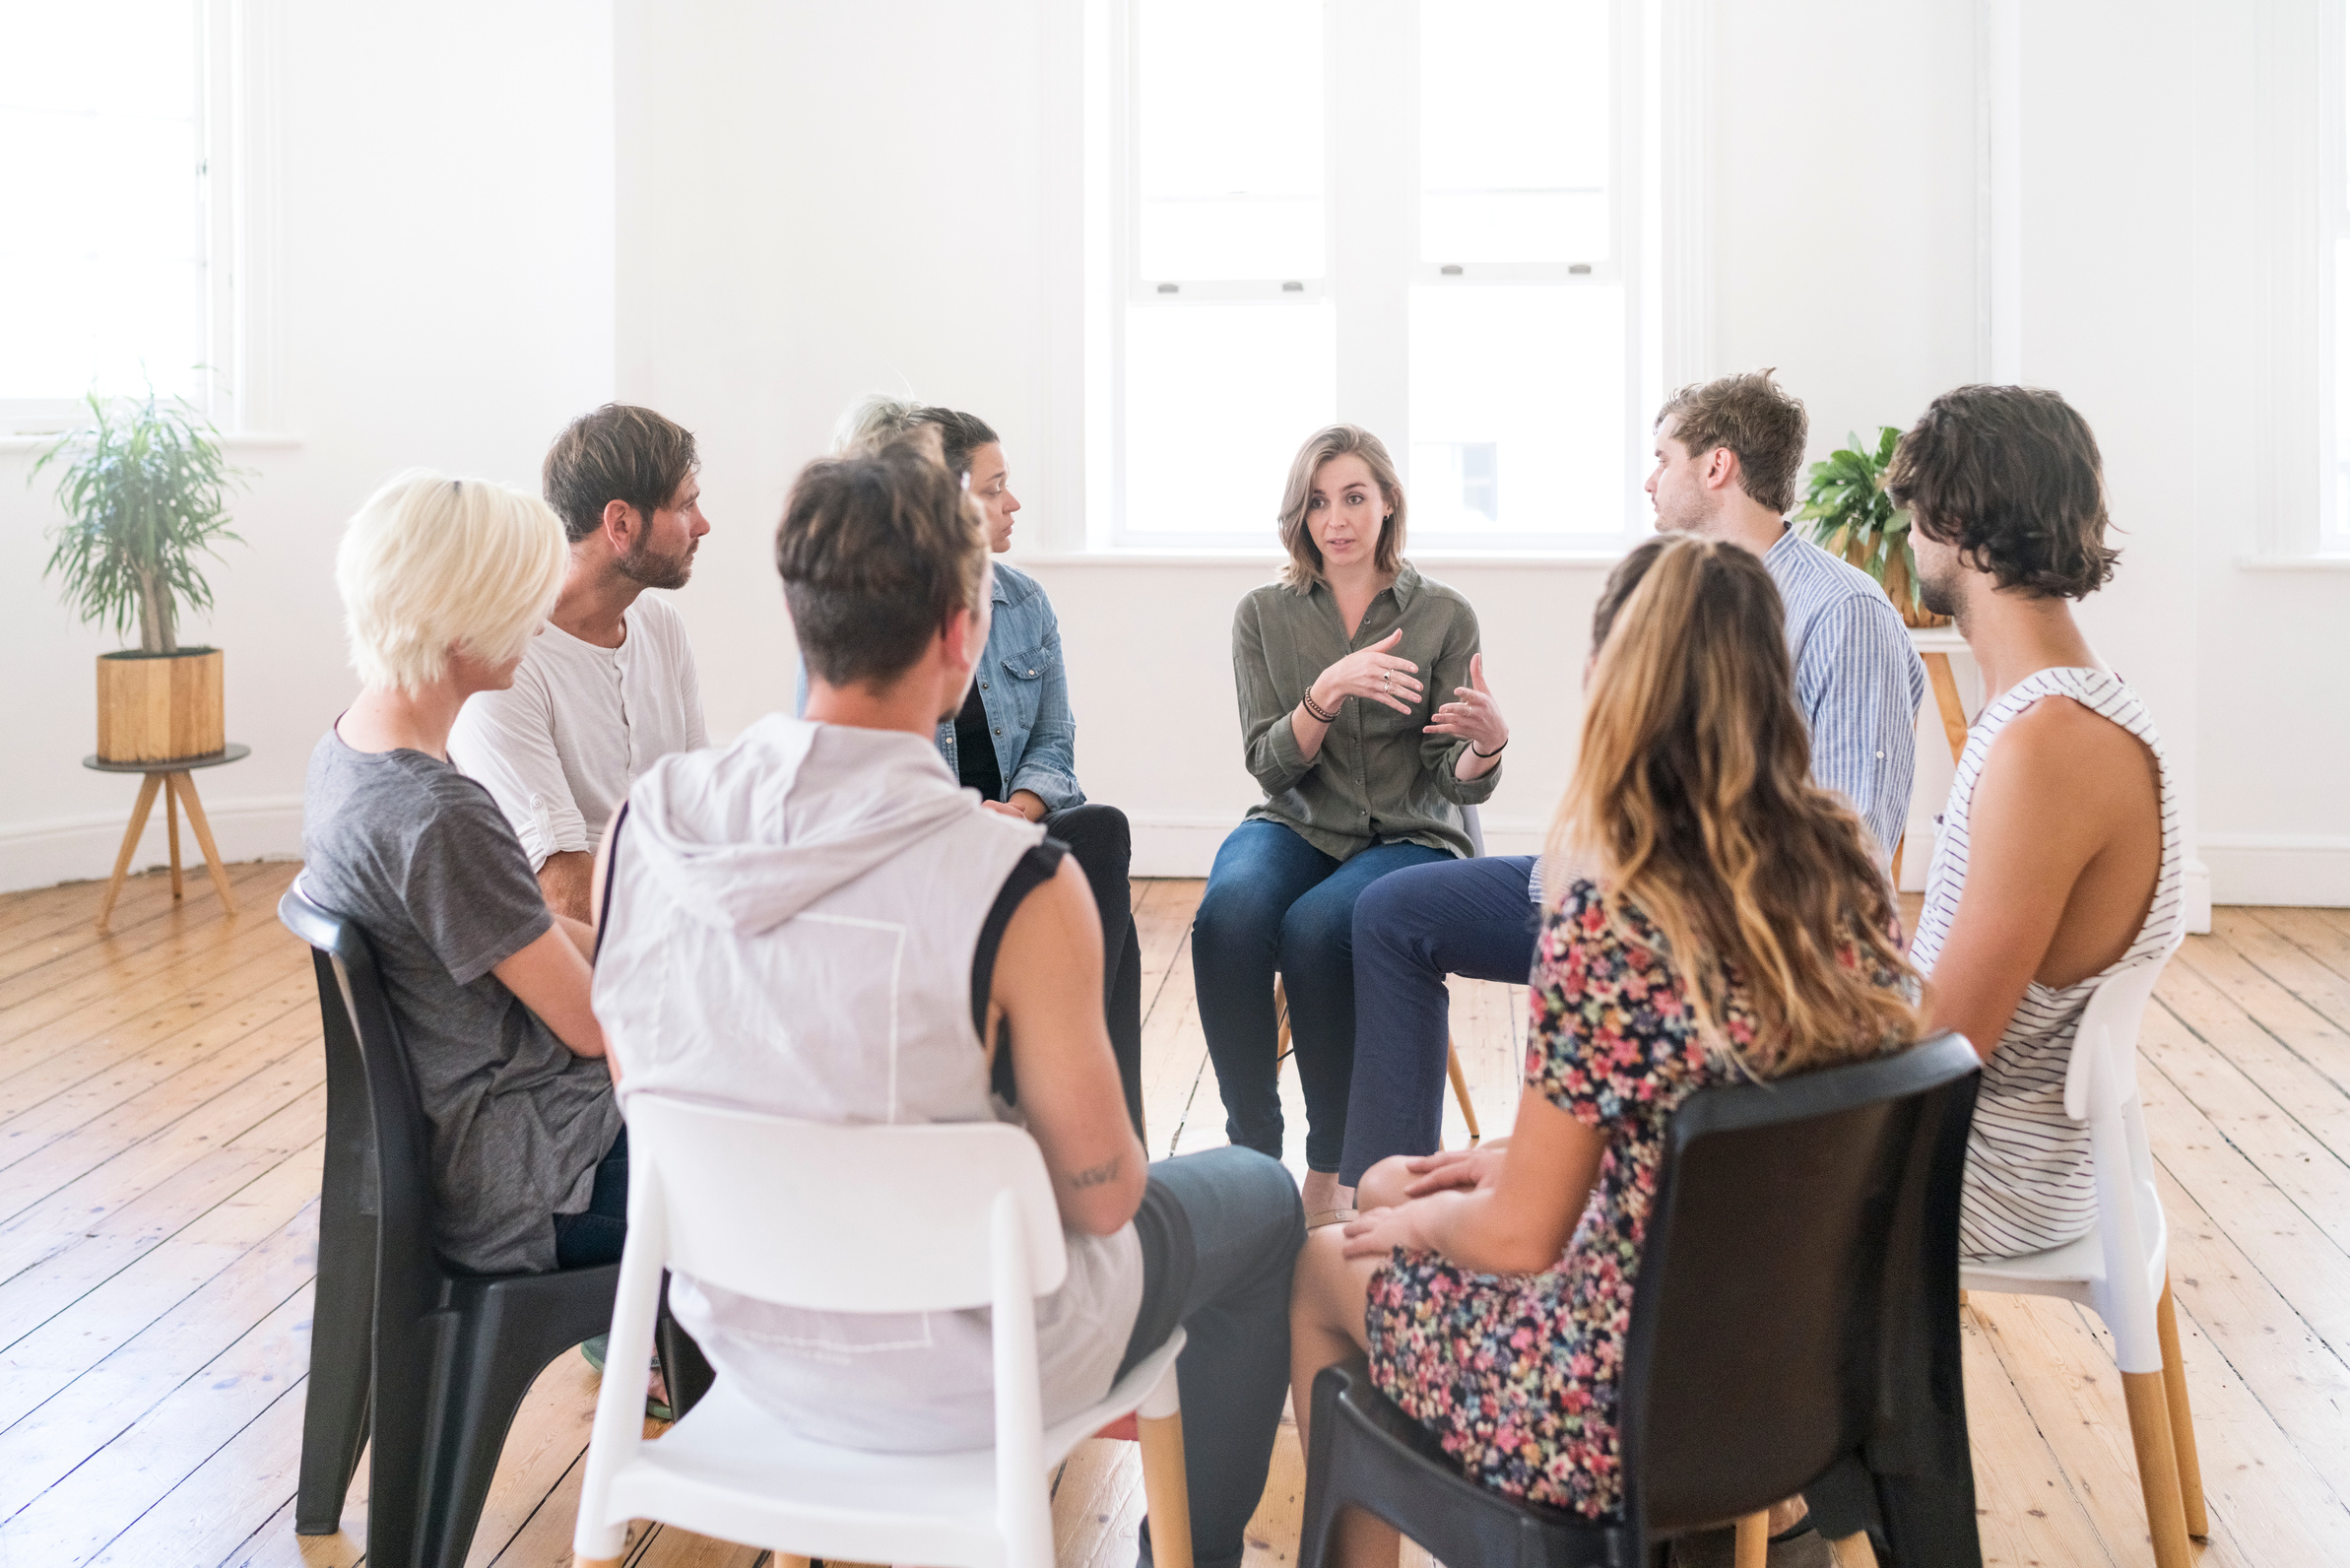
[2028, 1183]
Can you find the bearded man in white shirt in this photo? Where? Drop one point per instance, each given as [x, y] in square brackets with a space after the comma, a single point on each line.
[608, 685]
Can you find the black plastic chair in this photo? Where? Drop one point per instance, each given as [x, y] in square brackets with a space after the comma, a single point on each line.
[429, 1363]
[1795, 1329]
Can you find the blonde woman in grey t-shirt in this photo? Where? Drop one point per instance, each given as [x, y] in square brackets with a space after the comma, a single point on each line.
[443, 580]
[1365, 719]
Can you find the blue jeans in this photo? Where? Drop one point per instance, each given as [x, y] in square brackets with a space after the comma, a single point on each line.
[598, 1233]
[1221, 1231]
[1466, 917]
[1275, 901]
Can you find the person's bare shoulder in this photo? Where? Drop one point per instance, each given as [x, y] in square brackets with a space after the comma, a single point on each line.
[2059, 741]
[2060, 779]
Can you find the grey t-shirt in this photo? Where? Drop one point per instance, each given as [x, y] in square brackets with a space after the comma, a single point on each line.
[420, 857]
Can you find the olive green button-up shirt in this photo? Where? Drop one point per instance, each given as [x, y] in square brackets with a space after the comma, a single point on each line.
[1377, 776]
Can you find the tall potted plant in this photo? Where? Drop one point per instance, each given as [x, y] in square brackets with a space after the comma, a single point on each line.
[142, 485]
[1852, 516]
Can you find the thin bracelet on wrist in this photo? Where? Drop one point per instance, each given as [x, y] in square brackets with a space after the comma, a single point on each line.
[1317, 711]
[1497, 751]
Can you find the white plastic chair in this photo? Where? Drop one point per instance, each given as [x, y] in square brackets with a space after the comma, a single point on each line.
[2120, 1271]
[926, 1218]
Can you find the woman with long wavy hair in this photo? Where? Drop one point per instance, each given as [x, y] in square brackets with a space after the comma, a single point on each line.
[1709, 914]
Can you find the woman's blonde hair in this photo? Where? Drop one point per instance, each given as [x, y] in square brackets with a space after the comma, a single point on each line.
[1304, 568]
[431, 562]
[1692, 801]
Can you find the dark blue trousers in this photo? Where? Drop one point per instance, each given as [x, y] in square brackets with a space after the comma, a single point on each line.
[1465, 917]
[1275, 901]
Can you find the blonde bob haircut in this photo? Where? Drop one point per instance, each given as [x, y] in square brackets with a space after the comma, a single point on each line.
[1304, 568]
[433, 563]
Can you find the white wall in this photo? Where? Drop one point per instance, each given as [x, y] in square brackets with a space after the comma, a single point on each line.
[444, 298]
[809, 202]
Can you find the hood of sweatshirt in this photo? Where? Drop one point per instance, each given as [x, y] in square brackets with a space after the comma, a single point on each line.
[746, 837]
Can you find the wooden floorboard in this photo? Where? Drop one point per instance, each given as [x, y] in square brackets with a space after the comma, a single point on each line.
[162, 1115]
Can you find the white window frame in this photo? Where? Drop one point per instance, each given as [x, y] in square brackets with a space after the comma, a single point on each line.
[1372, 252]
[2333, 234]
[236, 190]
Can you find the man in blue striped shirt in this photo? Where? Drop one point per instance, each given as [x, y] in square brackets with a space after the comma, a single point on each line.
[1728, 453]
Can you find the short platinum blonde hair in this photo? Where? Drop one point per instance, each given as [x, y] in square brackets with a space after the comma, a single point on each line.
[873, 422]
[1304, 568]
[433, 563]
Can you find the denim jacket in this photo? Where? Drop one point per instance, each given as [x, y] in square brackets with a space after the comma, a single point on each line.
[1024, 689]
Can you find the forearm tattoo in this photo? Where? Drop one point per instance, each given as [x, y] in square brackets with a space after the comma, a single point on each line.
[1097, 1175]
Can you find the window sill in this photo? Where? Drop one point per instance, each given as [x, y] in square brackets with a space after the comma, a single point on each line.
[240, 440]
[2312, 562]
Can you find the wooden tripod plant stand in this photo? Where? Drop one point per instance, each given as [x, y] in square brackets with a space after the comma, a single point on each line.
[178, 788]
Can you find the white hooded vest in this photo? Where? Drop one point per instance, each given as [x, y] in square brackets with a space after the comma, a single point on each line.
[791, 929]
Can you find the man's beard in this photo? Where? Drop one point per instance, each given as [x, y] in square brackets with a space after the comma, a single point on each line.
[641, 565]
[1940, 595]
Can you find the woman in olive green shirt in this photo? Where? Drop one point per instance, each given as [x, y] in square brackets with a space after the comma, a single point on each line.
[1365, 718]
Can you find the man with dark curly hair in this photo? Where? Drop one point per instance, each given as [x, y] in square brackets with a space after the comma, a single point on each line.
[2058, 863]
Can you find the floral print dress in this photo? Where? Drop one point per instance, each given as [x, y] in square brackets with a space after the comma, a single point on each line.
[1518, 1373]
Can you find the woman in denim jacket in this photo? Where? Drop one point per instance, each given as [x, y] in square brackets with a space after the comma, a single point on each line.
[1015, 740]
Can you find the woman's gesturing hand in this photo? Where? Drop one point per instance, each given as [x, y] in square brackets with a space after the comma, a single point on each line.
[1372, 672]
[1473, 716]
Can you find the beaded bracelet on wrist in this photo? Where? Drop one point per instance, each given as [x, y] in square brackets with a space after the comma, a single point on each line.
[1315, 710]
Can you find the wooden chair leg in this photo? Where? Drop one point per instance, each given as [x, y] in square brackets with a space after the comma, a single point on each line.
[1166, 1490]
[2183, 1424]
[171, 827]
[212, 851]
[2158, 1467]
[1469, 1109]
[1281, 1021]
[130, 845]
[1753, 1540]
[1853, 1551]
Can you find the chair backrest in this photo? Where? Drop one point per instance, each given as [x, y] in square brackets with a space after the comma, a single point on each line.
[2103, 1072]
[1793, 1232]
[790, 1211]
[1475, 828]
[363, 1047]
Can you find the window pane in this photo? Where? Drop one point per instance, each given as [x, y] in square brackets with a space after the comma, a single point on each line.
[1229, 122]
[99, 148]
[1219, 400]
[1515, 130]
[1517, 409]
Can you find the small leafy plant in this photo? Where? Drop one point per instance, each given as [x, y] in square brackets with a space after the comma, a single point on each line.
[1853, 517]
[143, 488]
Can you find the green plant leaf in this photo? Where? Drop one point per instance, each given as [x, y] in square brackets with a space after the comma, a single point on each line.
[143, 485]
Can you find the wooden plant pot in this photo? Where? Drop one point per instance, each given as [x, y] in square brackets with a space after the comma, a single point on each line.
[1897, 588]
[160, 708]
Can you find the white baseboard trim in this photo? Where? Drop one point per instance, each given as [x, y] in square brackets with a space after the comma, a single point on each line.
[2278, 869]
[2194, 892]
[1184, 843]
[78, 848]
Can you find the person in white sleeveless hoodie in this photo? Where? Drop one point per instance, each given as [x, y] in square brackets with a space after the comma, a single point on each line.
[2059, 862]
[817, 921]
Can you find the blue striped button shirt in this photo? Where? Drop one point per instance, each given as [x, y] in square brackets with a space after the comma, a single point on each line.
[1858, 682]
